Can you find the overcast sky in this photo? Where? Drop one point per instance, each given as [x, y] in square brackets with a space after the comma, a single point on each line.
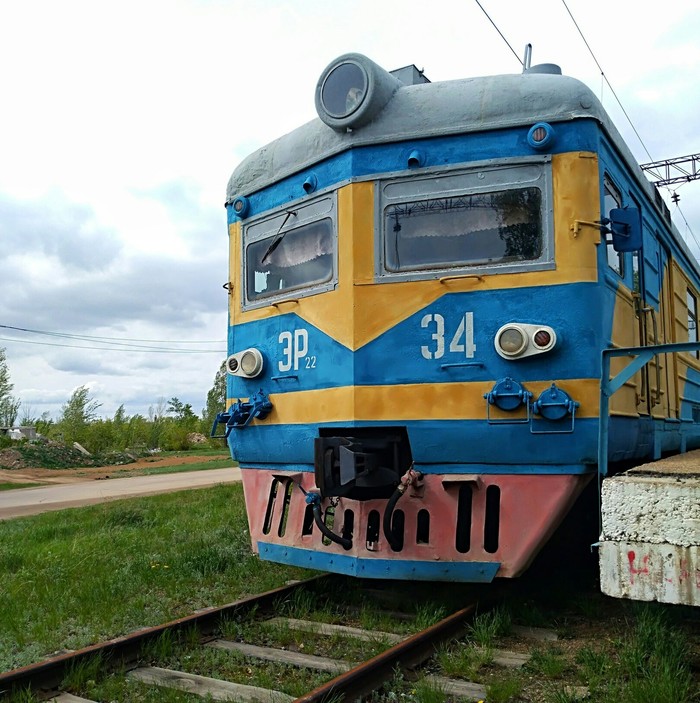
[120, 124]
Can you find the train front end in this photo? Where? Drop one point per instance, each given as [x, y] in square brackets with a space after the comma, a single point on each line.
[412, 383]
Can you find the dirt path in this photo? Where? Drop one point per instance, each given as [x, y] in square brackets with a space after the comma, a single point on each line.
[87, 473]
[32, 501]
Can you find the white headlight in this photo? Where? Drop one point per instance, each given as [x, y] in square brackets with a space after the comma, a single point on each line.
[511, 340]
[251, 362]
[247, 364]
[517, 340]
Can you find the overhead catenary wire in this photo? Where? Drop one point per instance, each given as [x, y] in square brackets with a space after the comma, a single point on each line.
[135, 349]
[495, 26]
[111, 343]
[624, 112]
[111, 339]
[604, 81]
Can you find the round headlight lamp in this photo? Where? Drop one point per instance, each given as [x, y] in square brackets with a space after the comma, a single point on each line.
[511, 341]
[247, 363]
[344, 89]
[352, 91]
[251, 362]
[518, 340]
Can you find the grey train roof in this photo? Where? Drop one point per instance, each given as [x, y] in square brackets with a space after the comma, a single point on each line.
[425, 110]
[434, 110]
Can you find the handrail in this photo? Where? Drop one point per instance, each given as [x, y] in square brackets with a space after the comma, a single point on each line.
[609, 386]
[657, 396]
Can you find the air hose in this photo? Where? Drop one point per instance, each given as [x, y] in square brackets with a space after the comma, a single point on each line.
[411, 477]
[389, 514]
[314, 499]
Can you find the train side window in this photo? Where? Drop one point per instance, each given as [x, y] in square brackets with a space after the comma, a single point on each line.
[692, 320]
[612, 199]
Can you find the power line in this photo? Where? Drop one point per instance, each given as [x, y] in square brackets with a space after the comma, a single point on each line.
[140, 350]
[125, 345]
[109, 339]
[500, 33]
[605, 78]
[647, 167]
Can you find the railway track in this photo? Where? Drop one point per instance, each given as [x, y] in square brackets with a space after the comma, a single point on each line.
[348, 678]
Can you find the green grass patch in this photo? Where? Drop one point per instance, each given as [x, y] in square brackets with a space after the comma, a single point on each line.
[176, 468]
[13, 486]
[75, 577]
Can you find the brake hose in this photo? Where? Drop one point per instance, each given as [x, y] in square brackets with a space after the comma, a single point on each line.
[409, 478]
[314, 500]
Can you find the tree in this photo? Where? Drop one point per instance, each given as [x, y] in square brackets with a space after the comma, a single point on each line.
[9, 406]
[216, 398]
[77, 413]
[184, 415]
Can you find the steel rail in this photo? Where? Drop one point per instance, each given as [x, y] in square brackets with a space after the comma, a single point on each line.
[414, 650]
[48, 674]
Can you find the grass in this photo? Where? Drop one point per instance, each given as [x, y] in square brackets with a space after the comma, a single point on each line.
[176, 469]
[642, 653]
[13, 486]
[75, 577]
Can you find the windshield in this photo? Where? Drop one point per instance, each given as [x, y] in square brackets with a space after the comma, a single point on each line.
[465, 230]
[302, 257]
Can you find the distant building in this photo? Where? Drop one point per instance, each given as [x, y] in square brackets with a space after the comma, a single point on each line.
[18, 432]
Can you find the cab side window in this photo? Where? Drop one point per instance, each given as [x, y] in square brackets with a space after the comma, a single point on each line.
[692, 319]
[612, 199]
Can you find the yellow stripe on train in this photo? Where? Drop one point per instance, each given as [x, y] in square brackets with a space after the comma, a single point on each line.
[419, 401]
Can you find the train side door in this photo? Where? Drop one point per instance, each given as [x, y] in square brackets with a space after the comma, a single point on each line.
[622, 277]
[657, 319]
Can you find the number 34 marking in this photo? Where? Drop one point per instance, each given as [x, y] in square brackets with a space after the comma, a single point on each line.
[462, 340]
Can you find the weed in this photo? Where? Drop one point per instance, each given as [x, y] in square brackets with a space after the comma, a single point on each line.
[563, 695]
[490, 625]
[24, 696]
[503, 690]
[83, 673]
[74, 577]
[463, 660]
[428, 614]
[547, 662]
[429, 692]
[594, 663]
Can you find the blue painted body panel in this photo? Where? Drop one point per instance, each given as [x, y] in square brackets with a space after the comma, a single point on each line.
[383, 158]
[405, 569]
[573, 310]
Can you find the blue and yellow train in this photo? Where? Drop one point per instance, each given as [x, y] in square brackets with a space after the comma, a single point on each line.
[422, 281]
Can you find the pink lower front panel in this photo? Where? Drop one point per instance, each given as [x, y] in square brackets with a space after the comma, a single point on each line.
[502, 519]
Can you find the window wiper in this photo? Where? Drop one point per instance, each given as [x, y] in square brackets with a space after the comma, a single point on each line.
[278, 237]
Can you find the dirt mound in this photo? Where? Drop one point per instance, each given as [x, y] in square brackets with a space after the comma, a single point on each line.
[52, 455]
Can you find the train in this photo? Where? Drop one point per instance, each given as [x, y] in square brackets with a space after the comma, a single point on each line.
[422, 281]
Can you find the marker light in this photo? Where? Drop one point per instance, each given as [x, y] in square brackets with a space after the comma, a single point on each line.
[541, 135]
[247, 364]
[517, 340]
[543, 339]
[241, 205]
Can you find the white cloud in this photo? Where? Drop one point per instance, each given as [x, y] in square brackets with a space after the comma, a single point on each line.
[122, 122]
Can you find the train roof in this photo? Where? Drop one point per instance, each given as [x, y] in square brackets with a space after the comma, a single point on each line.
[438, 109]
[421, 111]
